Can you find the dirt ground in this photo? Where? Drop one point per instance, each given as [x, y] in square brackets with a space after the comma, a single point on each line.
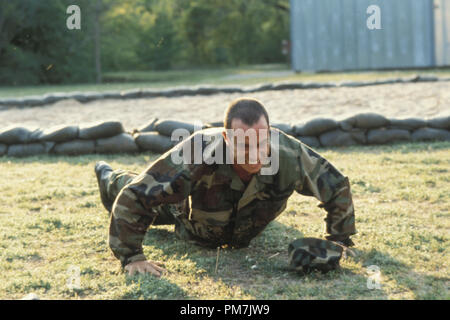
[424, 100]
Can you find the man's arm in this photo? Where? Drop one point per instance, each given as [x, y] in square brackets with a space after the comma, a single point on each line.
[132, 213]
[321, 179]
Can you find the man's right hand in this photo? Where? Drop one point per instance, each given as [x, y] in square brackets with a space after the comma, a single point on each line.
[144, 267]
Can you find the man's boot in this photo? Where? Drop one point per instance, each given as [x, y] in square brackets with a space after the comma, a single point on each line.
[103, 172]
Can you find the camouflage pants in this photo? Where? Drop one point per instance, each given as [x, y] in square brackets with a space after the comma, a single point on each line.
[167, 214]
[120, 178]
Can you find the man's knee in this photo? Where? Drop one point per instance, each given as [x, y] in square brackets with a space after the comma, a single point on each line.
[117, 181]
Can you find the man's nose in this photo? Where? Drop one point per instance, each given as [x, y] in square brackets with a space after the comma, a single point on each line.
[253, 156]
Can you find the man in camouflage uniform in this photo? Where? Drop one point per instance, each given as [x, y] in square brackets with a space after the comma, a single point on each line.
[220, 203]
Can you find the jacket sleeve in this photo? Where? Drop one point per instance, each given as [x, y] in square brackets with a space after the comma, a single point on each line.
[319, 178]
[133, 211]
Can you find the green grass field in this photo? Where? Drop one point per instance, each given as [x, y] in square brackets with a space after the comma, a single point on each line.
[51, 218]
[243, 75]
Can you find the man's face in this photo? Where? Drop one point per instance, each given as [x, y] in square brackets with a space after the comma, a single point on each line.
[251, 141]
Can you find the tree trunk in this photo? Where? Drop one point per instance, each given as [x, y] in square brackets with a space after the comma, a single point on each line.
[97, 40]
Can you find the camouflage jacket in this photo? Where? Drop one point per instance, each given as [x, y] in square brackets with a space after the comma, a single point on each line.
[213, 205]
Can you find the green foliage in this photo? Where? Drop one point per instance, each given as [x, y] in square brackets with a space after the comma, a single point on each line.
[235, 32]
[158, 35]
[36, 46]
[156, 46]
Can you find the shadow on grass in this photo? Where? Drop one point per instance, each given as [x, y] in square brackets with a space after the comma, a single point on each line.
[423, 286]
[261, 270]
[145, 158]
[234, 267]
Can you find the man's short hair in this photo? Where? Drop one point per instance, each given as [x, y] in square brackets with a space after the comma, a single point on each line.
[248, 110]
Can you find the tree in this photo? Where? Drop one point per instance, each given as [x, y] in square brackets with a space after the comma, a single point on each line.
[36, 46]
[123, 35]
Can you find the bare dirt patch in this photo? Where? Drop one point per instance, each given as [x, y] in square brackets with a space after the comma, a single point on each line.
[424, 100]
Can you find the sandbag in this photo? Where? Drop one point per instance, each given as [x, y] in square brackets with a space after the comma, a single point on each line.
[3, 149]
[426, 78]
[312, 142]
[78, 96]
[84, 97]
[439, 123]
[430, 134]
[122, 143]
[31, 149]
[216, 124]
[111, 95]
[355, 83]
[150, 93]
[286, 128]
[367, 120]
[381, 136]
[131, 94]
[11, 102]
[206, 91]
[165, 127]
[33, 136]
[56, 134]
[316, 85]
[170, 92]
[386, 81]
[182, 91]
[52, 98]
[101, 130]
[92, 96]
[286, 86]
[257, 88]
[14, 135]
[154, 142]
[232, 90]
[315, 127]
[33, 101]
[341, 138]
[75, 147]
[149, 126]
[359, 136]
[407, 124]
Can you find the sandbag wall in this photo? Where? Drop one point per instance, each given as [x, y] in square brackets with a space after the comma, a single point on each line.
[104, 137]
[111, 137]
[107, 137]
[367, 128]
[84, 97]
[362, 128]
